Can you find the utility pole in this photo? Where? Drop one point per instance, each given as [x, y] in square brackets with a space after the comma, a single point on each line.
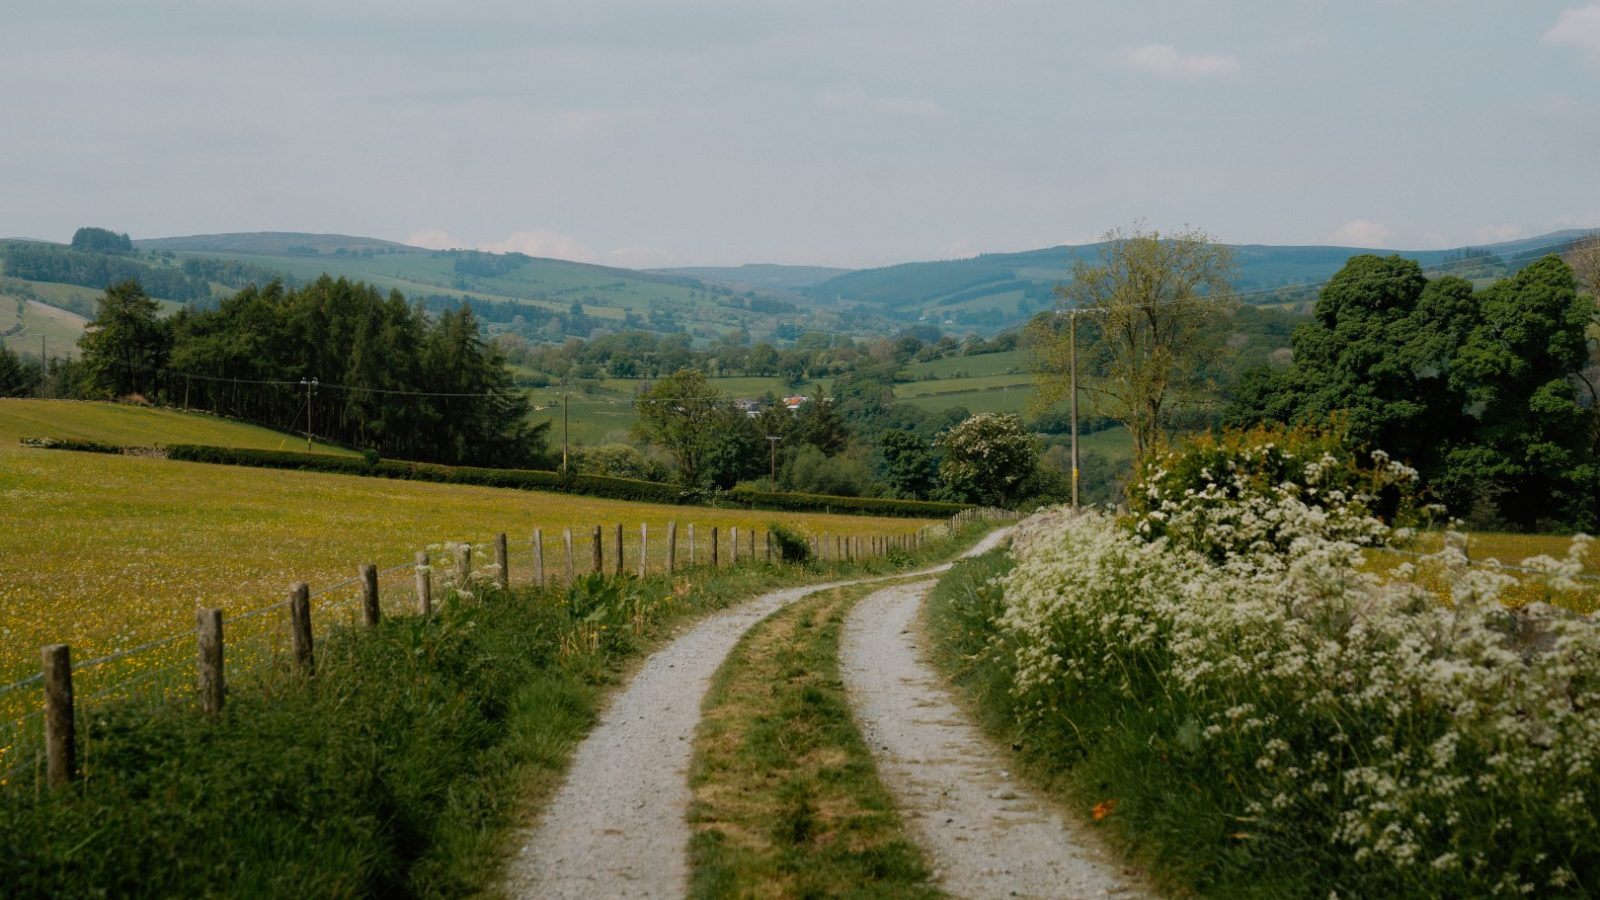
[1072, 353]
[311, 388]
[565, 405]
[773, 439]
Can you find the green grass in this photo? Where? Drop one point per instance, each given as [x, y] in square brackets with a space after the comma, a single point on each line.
[1010, 361]
[137, 426]
[108, 552]
[1160, 816]
[401, 769]
[787, 799]
[61, 329]
[404, 767]
[1019, 381]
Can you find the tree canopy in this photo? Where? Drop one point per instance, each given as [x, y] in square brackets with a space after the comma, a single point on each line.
[1155, 301]
[1483, 391]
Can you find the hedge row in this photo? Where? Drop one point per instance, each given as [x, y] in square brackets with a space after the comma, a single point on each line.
[528, 479]
[876, 506]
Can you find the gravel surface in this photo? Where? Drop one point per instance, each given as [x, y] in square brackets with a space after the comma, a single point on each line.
[617, 827]
[987, 835]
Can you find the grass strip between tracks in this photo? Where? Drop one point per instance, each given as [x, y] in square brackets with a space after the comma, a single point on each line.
[787, 798]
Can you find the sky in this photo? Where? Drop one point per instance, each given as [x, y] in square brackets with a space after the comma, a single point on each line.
[719, 132]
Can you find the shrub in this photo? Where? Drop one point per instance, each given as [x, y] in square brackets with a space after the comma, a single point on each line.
[1334, 730]
[792, 545]
[1258, 491]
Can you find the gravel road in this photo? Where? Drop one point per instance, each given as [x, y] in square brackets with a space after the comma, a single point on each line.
[617, 827]
[987, 835]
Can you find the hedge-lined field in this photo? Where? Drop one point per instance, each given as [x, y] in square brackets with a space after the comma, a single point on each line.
[104, 552]
[123, 423]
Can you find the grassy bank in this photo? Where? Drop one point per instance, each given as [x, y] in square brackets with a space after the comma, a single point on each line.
[787, 799]
[1286, 735]
[399, 769]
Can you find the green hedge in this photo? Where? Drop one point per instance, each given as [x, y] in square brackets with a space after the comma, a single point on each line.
[535, 480]
[875, 506]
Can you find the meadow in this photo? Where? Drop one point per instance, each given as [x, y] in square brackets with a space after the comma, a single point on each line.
[139, 426]
[60, 328]
[110, 552]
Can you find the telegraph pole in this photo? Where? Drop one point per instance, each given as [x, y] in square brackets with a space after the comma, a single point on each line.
[773, 439]
[311, 388]
[565, 406]
[1072, 352]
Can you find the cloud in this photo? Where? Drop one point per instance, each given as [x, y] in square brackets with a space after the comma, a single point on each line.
[1578, 27]
[1161, 59]
[435, 239]
[1361, 233]
[542, 242]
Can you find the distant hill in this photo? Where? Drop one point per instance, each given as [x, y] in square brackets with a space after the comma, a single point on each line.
[273, 243]
[761, 275]
[549, 300]
[997, 289]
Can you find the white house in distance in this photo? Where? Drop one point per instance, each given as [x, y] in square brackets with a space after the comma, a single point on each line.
[794, 403]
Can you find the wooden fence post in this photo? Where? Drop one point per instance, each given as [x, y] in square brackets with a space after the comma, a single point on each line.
[538, 557]
[768, 538]
[566, 535]
[691, 544]
[599, 551]
[463, 566]
[60, 735]
[502, 562]
[300, 625]
[644, 549]
[210, 663]
[672, 547]
[619, 550]
[751, 541]
[713, 546]
[424, 584]
[369, 595]
[733, 546]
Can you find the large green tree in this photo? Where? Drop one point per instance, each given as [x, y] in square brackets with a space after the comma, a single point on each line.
[988, 457]
[126, 346]
[1484, 392]
[1378, 354]
[1518, 367]
[1155, 302]
[679, 414]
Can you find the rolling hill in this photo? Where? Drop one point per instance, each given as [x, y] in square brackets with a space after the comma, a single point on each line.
[996, 290]
[550, 300]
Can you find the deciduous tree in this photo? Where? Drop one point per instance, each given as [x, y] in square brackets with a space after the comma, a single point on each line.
[1155, 301]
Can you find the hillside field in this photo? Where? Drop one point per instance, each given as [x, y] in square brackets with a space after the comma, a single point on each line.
[139, 426]
[108, 552]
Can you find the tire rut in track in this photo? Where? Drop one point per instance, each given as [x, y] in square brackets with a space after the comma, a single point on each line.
[617, 826]
[987, 835]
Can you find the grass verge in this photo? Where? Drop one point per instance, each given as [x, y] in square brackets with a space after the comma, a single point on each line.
[787, 799]
[1167, 822]
[398, 770]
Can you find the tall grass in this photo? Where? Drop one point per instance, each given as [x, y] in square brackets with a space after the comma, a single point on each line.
[398, 769]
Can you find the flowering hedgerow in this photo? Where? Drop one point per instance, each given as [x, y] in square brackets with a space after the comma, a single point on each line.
[1259, 491]
[1355, 725]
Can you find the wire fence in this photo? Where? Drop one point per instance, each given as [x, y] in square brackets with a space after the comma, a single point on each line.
[259, 639]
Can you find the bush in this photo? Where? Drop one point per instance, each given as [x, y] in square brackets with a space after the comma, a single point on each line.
[1282, 723]
[792, 545]
[1260, 490]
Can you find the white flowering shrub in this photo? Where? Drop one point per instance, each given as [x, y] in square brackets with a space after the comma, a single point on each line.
[1260, 491]
[1394, 744]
